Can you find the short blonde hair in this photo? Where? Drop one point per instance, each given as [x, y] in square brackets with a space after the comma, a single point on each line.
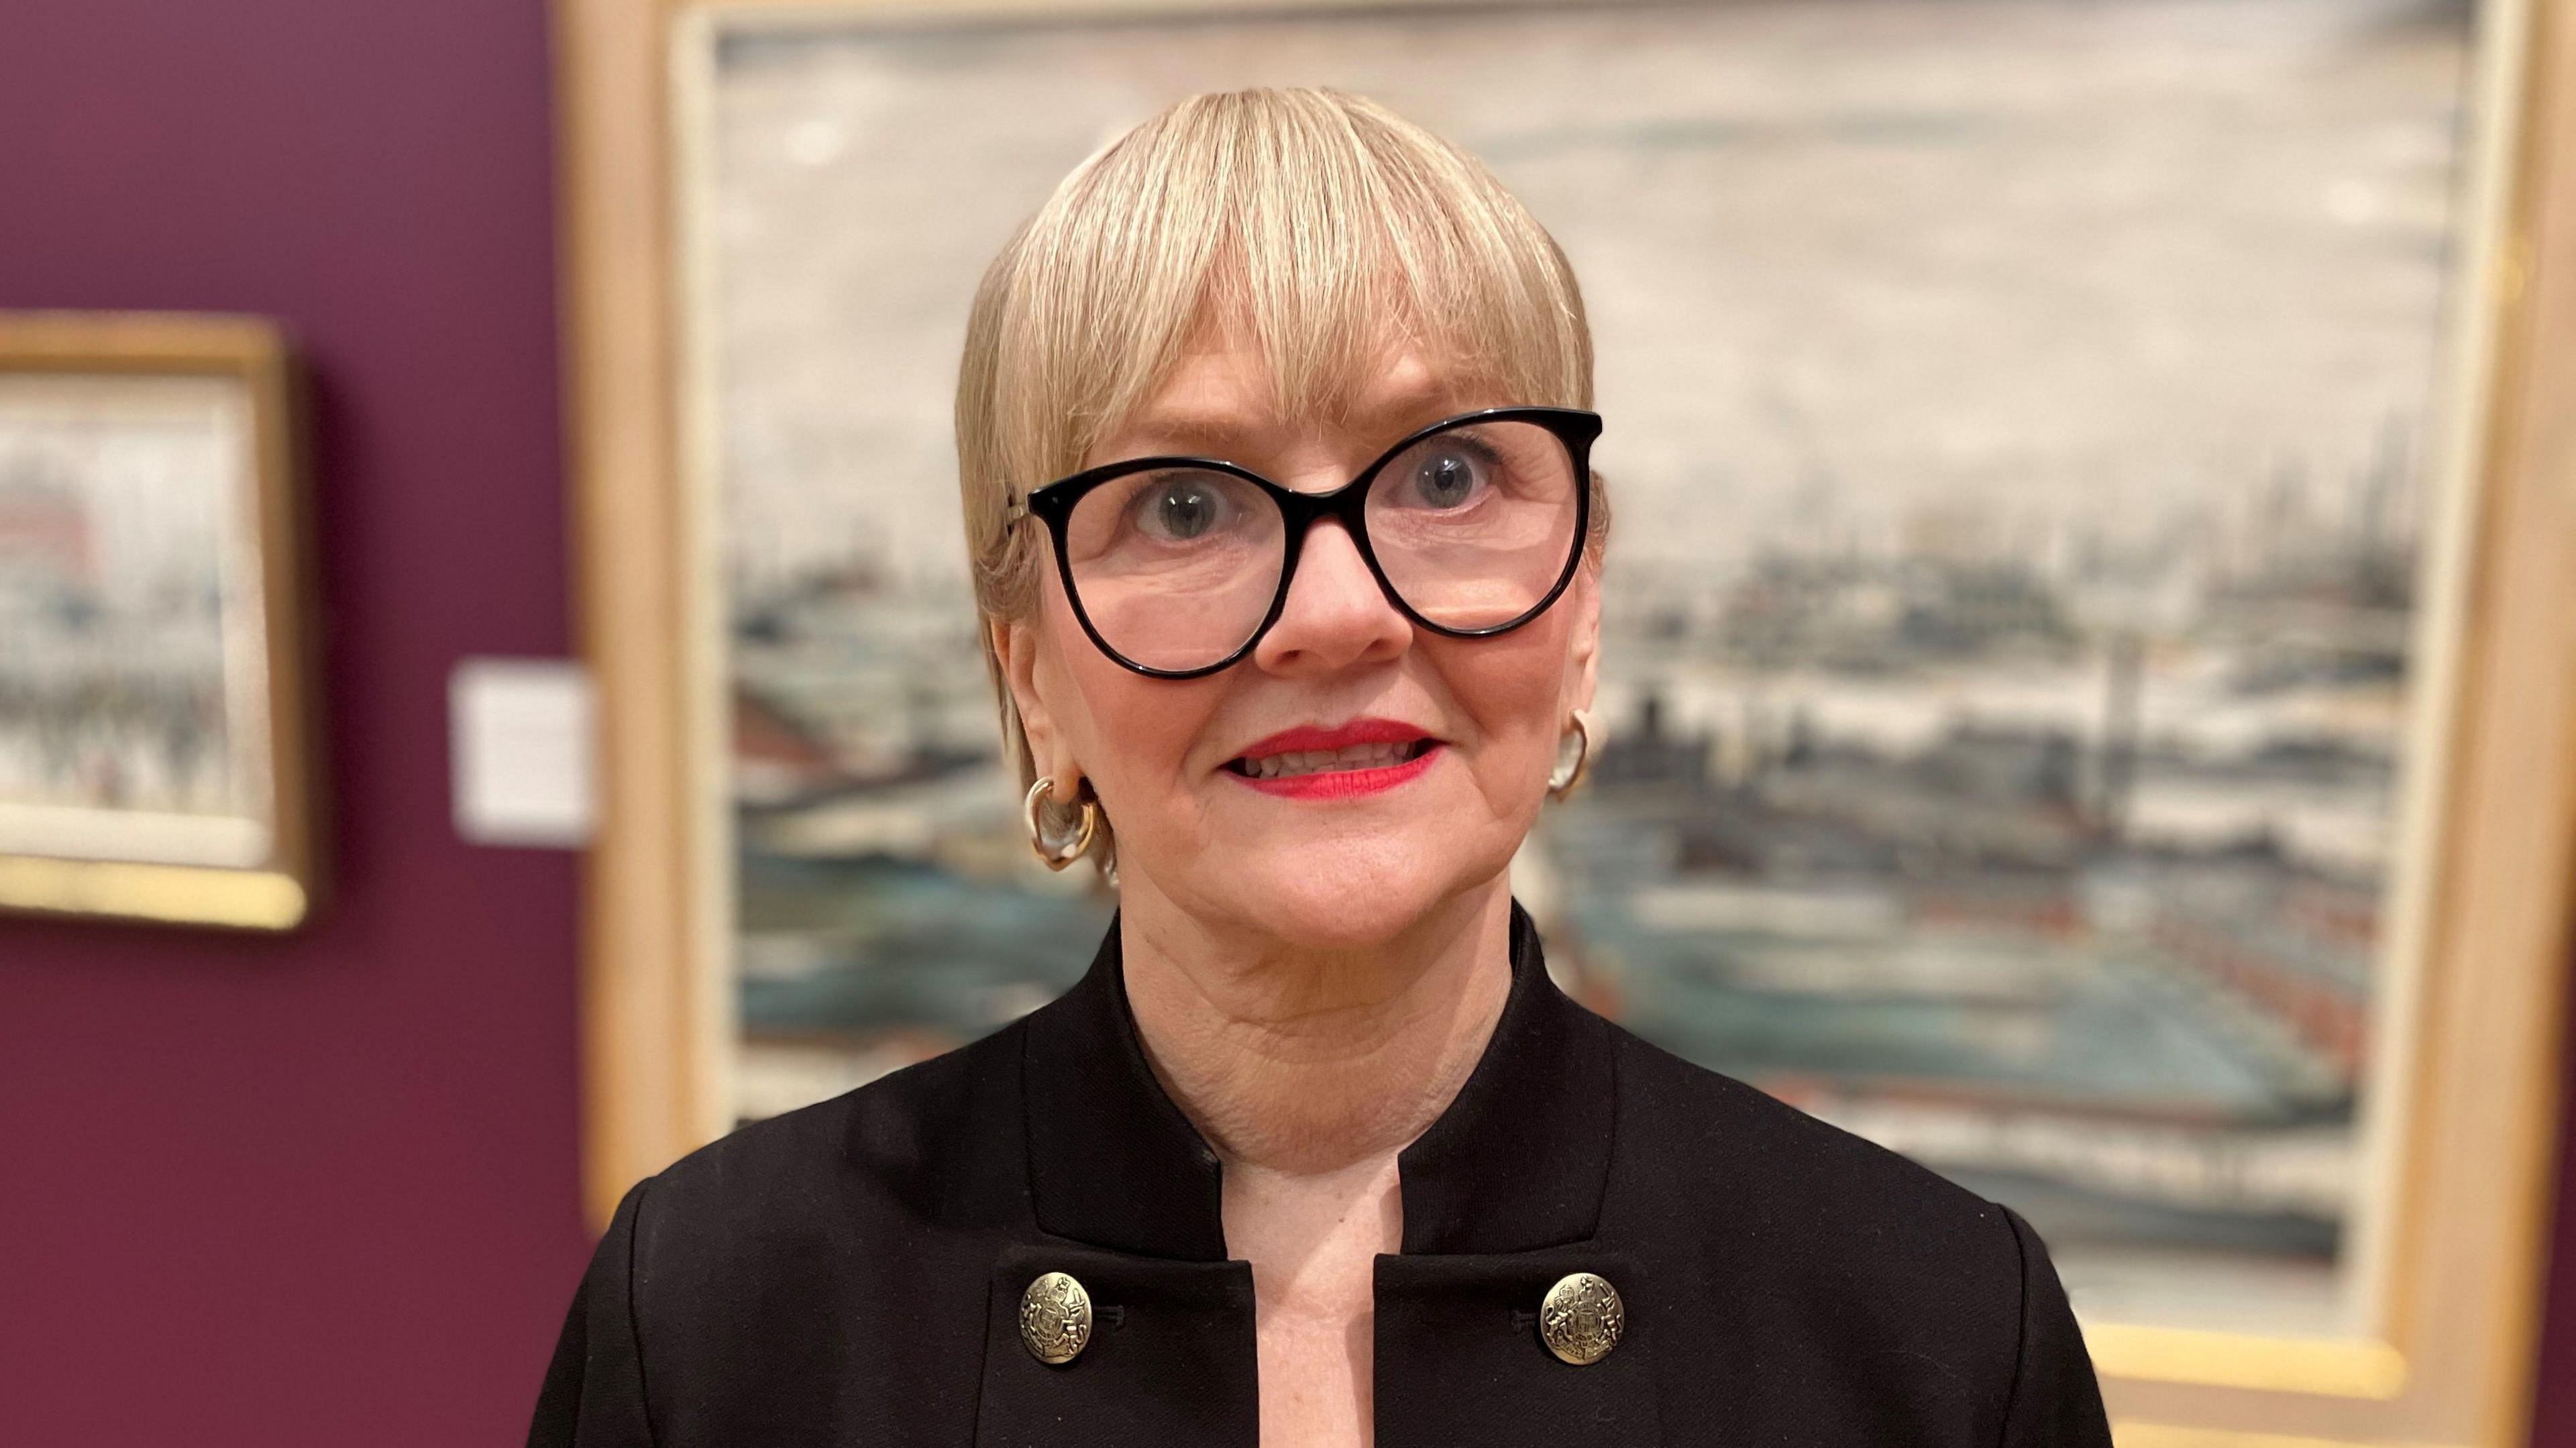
[1319, 225]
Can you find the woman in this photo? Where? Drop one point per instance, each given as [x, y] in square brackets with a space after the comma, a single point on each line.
[1315, 1153]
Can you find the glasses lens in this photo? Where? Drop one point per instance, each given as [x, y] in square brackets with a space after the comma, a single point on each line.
[1473, 526]
[1175, 567]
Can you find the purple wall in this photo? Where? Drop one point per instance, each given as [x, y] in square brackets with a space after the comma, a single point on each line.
[321, 1190]
[315, 1190]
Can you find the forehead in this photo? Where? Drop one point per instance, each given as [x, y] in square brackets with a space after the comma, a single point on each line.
[1221, 397]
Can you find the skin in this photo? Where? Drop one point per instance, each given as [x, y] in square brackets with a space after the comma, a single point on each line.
[1313, 980]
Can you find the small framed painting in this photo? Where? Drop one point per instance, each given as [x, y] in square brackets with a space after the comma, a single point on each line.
[152, 680]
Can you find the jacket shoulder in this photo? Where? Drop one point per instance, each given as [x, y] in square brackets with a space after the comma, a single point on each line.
[1782, 1166]
[1768, 1201]
[913, 1149]
[1852, 1254]
[721, 1294]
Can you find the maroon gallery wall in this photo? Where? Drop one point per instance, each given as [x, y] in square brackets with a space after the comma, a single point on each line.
[321, 1190]
[316, 1190]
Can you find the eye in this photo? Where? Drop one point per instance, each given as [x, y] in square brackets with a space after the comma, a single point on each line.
[1447, 477]
[1183, 508]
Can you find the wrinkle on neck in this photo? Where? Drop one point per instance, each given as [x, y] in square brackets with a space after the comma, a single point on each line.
[1303, 1062]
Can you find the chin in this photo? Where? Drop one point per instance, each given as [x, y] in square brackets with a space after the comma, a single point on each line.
[1353, 895]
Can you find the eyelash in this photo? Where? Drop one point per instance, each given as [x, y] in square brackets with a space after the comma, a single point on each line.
[1484, 452]
[1486, 457]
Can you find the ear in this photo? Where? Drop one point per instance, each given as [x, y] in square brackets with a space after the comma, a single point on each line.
[1583, 653]
[1015, 651]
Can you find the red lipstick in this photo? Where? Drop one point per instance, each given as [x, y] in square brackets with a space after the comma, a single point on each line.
[1283, 763]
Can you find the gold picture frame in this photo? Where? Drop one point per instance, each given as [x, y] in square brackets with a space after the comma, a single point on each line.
[2449, 1359]
[161, 444]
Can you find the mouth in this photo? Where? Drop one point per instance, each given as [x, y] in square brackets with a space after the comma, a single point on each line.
[1298, 763]
[1362, 757]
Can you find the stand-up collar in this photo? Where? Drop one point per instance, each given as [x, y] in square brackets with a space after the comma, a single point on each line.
[1517, 1161]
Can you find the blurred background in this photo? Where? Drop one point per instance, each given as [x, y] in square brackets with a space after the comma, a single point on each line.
[2025, 421]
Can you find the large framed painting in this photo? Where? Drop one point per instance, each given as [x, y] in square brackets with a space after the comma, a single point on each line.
[2085, 669]
[152, 609]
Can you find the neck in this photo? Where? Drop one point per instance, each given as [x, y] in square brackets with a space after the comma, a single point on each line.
[1305, 1062]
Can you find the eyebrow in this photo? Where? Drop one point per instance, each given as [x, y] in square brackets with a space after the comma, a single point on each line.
[1209, 434]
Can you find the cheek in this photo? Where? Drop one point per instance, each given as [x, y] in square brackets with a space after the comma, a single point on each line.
[1512, 691]
[1131, 735]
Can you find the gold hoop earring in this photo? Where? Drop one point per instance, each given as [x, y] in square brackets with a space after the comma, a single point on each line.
[1053, 848]
[1562, 780]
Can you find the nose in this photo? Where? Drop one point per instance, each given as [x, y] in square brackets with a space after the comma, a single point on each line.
[1336, 615]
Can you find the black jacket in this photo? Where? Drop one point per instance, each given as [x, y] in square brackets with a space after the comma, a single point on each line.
[851, 1274]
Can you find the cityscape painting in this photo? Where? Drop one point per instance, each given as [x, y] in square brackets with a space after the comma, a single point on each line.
[133, 688]
[2021, 425]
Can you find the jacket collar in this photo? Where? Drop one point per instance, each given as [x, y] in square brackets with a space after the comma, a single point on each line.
[1517, 1162]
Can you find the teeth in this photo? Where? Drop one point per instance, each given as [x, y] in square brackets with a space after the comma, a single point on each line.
[1316, 761]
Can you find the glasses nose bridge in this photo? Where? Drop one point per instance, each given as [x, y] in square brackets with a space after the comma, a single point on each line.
[1346, 505]
[1355, 589]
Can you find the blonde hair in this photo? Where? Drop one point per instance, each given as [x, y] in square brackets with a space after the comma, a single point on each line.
[1319, 225]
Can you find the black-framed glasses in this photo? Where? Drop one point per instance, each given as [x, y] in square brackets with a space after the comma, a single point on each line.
[1176, 566]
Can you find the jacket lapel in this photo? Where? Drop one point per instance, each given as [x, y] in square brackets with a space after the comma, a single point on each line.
[1522, 1155]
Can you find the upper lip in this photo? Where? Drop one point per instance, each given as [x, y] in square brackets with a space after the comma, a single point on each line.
[1312, 737]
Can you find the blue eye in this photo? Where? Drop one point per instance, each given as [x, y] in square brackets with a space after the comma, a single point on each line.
[1446, 479]
[1181, 512]
[1187, 507]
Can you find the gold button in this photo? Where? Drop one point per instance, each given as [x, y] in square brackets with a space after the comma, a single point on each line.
[1582, 1318]
[1055, 1318]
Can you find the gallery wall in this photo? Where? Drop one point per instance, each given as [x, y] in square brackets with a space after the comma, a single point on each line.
[322, 1189]
[314, 1190]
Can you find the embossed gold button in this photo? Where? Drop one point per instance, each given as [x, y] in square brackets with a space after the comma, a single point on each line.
[1582, 1318]
[1055, 1318]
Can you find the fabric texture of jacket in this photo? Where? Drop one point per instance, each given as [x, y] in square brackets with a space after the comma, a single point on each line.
[851, 1273]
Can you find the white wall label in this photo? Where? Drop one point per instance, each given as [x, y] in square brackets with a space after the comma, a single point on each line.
[520, 740]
